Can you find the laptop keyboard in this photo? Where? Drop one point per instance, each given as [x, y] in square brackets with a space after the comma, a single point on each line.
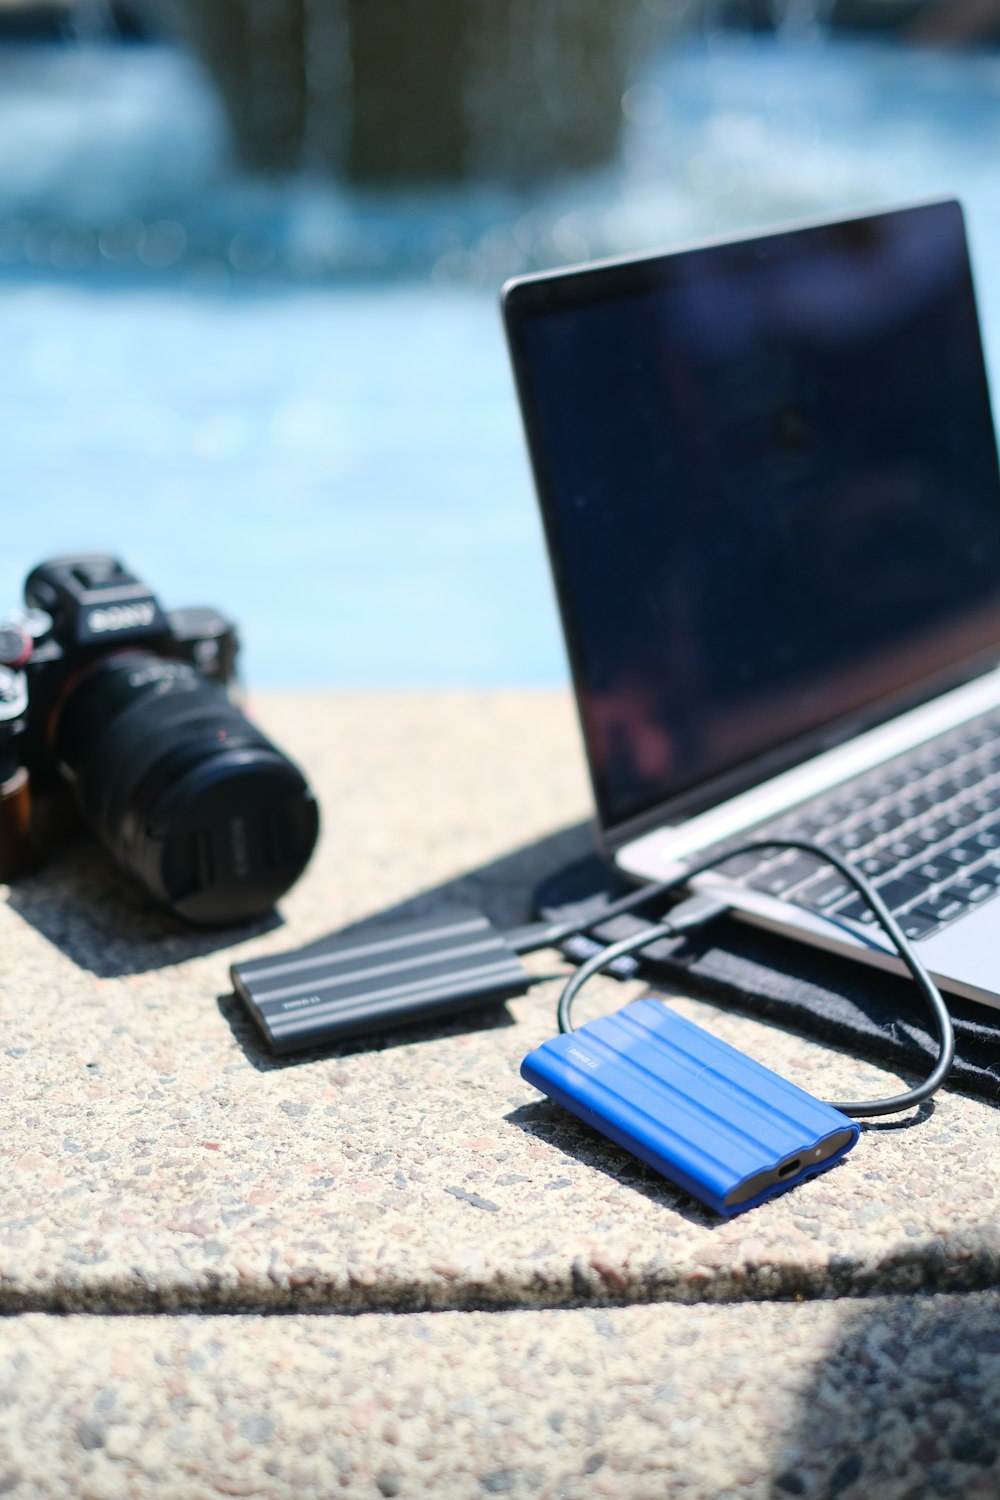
[924, 827]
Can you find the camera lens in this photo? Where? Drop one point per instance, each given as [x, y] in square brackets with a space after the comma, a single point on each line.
[185, 792]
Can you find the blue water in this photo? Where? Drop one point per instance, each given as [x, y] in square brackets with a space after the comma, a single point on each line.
[341, 470]
[294, 402]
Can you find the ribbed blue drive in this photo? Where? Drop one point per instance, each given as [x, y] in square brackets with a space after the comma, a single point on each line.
[719, 1125]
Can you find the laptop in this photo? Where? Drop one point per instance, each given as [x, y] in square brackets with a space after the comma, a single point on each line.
[768, 477]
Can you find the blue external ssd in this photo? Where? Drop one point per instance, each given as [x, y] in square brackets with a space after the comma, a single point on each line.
[719, 1125]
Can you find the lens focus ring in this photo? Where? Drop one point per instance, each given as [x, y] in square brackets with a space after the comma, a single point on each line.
[214, 820]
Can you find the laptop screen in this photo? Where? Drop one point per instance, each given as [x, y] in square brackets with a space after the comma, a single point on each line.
[769, 481]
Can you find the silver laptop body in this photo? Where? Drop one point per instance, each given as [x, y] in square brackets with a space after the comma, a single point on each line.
[768, 476]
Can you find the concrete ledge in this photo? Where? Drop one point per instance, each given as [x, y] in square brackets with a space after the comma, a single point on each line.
[893, 1397]
[156, 1158]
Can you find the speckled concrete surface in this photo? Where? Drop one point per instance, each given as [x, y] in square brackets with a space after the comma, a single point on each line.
[892, 1398]
[156, 1157]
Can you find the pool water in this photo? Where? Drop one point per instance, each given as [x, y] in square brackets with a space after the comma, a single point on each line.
[295, 403]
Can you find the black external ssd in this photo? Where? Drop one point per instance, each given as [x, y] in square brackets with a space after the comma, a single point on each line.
[370, 982]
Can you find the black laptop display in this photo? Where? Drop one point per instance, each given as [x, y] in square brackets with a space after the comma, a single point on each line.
[768, 475]
[769, 481]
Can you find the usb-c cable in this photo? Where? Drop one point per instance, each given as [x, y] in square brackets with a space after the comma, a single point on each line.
[705, 906]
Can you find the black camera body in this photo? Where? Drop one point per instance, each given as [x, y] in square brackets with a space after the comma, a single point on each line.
[128, 705]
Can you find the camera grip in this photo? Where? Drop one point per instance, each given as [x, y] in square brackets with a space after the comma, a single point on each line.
[18, 853]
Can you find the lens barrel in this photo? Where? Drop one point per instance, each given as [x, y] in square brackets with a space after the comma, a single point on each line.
[183, 790]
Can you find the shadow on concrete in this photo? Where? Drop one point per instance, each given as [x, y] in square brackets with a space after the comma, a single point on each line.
[904, 1405]
[555, 1126]
[916, 1117]
[505, 889]
[103, 921]
[245, 1033]
[106, 923]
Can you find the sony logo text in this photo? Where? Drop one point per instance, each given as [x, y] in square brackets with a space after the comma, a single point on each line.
[120, 617]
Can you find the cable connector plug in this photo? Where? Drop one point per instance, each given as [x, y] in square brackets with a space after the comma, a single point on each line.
[693, 912]
[696, 911]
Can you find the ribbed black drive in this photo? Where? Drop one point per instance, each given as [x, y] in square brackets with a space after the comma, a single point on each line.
[341, 986]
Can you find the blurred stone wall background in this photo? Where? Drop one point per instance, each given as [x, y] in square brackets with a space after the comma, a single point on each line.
[399, 92]
[409, 91]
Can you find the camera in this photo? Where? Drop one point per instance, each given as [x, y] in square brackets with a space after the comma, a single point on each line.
[118, 712]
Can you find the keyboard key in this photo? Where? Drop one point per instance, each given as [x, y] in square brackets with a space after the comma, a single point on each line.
[823, 893]
[940, 908]
[937, 869]
[914, 807]
[740, 864]
[856, 911]
[805, 825]
[854, 838]
[876, 864]
[916, 927]
[971, 890]
[902, 849]
[933, 833]
[783, 877]
[963, 854]
[901, 891]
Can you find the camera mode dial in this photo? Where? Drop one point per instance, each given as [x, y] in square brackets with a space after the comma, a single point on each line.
[15, 643]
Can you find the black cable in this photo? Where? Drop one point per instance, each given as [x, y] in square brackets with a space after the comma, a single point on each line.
[711, 905]
[600, 961]
[550, 934]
